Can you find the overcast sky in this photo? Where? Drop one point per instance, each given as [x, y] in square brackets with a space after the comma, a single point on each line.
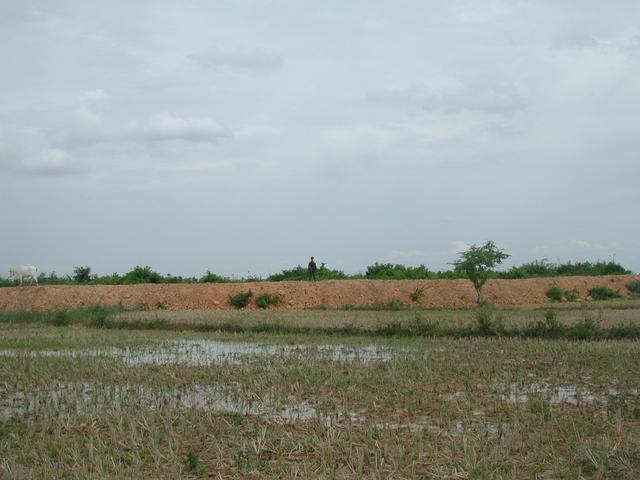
[244, 136]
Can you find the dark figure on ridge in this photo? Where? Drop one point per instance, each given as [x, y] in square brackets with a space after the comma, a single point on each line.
[311, 270]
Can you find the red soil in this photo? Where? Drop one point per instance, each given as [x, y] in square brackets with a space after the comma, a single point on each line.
[300, 295]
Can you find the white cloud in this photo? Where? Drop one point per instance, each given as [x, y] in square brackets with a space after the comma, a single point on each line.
[576, 40]
[500, 99]
[95, 95]
[51, 161]
[249, 58]
[409, 256]
[27, 154]
[165, 126]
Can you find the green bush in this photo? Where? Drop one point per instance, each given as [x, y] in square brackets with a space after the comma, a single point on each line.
[388, 271]
[210, 277]
[550, 327]
[571, 295]
[603, 293]
[141, 274]
[266, 300]
[587, 329]
[82, 274]
[486, 324]
[634, 287]
[240, 300]
[554, 293]
[300, 273]
[60, 318]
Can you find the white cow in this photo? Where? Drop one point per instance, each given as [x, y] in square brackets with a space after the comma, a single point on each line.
[20, 272]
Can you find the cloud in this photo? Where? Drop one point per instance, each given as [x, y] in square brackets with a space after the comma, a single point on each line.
[94, 96]
[407, 255]
[500, 99]
[575, 40]
[27, 154]
[90, 129]
[250, 58]
[165, 126]
[51, 162]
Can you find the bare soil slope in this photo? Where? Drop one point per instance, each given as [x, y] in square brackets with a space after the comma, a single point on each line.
[300, 295]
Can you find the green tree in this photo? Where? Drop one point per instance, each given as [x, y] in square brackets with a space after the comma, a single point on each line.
[82, 274]
[478, 262]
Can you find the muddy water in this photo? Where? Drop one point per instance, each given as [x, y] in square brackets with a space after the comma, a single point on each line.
[202, 352]
[63, 399]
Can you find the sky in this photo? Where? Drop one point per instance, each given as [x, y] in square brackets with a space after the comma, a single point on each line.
[244, 136]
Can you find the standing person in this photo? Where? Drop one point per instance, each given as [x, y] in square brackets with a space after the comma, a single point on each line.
[311, 270]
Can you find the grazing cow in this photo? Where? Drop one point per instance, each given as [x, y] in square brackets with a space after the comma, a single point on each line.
[20, 272]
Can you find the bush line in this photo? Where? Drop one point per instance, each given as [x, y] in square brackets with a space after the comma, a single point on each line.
[488, 323]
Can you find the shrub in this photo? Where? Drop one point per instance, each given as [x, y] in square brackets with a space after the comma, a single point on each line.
[634, 287]
[603, 293]
[537, 268]
[571, 295]
[60, 318]
[300, 273]
[554, 293]
[587, 329]
[141, 274]
[266, 300]
[210, 277]
[416, 295]
[588, 268]
[549, 327]
[240, 300]
[388, 271]
[551, 322]
[82, 274]
[487, 325]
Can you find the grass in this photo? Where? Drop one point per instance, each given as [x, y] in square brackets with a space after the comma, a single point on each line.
[395, 319]
[479, 408]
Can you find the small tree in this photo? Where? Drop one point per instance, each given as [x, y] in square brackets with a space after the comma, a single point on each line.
[82, 274]
[478, 262]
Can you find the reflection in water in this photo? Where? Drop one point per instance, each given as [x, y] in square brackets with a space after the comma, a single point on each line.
[557, 394]
[64, 399]
[200, 352]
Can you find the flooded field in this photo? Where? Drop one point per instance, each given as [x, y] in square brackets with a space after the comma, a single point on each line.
[99, 403]
[204, 352]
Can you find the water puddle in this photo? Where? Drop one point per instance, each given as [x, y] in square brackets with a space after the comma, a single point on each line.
[64, 399]
[200, 352]
[558, 394]
[554, 394]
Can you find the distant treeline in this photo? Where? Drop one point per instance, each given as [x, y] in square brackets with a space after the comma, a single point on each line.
[377, 271]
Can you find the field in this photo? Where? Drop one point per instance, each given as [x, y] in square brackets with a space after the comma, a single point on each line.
[240, 394]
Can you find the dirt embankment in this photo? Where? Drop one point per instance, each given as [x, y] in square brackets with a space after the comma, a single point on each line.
[300, 295]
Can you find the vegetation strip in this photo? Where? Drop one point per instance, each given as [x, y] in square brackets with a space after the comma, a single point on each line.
[489, 322]
[378, 271]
